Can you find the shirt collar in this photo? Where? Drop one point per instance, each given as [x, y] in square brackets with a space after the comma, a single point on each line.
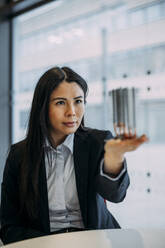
[68, 142]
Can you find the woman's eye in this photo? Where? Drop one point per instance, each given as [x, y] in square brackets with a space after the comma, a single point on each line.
[60, 103]
[79, 101]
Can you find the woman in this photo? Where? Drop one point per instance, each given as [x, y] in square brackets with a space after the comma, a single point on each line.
[56, 179]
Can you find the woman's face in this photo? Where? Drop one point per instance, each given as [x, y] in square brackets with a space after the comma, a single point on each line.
[66, 110]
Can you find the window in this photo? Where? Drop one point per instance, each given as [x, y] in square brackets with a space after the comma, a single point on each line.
[137, 17]
[153, 12]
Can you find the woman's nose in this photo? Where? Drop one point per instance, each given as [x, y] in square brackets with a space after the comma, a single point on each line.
[71, 110]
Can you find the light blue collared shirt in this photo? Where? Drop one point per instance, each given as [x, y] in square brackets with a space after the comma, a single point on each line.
[64, 208]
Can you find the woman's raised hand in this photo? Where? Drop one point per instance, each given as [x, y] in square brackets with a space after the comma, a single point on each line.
[115, 150]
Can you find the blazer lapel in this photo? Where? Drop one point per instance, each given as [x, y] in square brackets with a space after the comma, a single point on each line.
[81, 155]
[43, 202]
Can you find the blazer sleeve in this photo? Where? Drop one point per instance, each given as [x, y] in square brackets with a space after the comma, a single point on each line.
[111, 190]
[13, 226]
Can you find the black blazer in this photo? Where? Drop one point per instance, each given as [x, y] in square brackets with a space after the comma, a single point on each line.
[91, 186]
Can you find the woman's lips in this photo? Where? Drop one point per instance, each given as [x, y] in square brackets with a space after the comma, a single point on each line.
[70, 124]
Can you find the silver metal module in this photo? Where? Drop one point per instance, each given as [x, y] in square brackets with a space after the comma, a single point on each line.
[124, 112]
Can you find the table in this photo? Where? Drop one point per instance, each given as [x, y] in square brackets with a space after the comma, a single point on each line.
[109, 238]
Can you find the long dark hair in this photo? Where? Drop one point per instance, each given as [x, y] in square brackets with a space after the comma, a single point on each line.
[38, 130]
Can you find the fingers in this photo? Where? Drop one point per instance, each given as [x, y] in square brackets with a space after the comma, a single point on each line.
[136, 142]
[143, 138]
[126, 145]
[140, 140]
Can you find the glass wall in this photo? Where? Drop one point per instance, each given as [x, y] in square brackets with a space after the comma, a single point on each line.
[111, 45]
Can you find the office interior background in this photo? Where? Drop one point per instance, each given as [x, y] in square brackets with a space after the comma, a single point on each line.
[111, 43]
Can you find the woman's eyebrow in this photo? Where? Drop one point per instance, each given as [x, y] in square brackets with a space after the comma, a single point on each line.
[58, 98]
[78, 97]
[65, 99]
